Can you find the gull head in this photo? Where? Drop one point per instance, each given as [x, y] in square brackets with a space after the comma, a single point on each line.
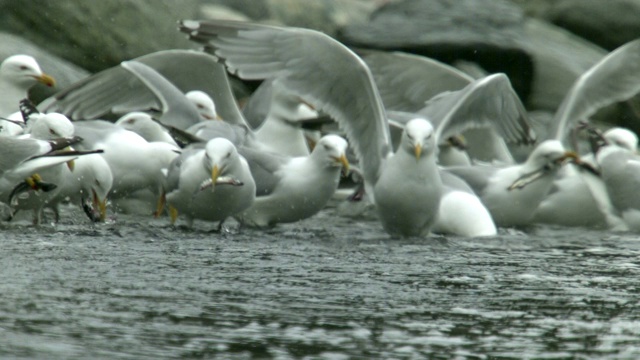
[332, 150]
[23, 71]
[204, 104]
[545, 159]
[133, 119]
[96, 179]
[418, 137]
[549, 155]
[51, 126]
[220, 158]
[623, 138]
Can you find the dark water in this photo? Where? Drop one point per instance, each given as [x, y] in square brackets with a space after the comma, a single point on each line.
[327, 288]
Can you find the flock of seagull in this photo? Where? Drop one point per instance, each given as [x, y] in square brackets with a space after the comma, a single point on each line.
[431, 148]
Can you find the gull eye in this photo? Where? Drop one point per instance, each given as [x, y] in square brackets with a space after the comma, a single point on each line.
[97, 183]
[200, 106]
[24, 67]
[52, 132]
[409, 136]
[326, 147]
[228, 155]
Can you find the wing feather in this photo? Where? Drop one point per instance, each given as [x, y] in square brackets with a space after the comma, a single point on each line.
[322, 71]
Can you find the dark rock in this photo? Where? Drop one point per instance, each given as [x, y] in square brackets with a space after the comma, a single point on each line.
[323, 15]
[99, 34]
[488, 32]
[541, 60]
[559, 58]
[63, 71]
[609, 24]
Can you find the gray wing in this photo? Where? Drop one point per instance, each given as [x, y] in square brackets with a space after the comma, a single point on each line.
[177, 110]
[487, 102]
[477, 177]
[407, 81]
[14, 151]
[621, 175]
[173, 171]
[93, 132]
[264, 168]
[614, 78]
[96, 96]
[322, 71]
[453, 182]
[115, 91]
[207, 130]
[257, 108]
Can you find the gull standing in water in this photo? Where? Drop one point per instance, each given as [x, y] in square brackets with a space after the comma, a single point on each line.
[192, 183]
[290, 189]
[327, 75]
[579, 198]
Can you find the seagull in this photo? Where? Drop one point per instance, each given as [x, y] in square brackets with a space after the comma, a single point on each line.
[130, 87]
[512, 193]
[276, 113]
[461, 212]
[144, 125]
[23, 157]
[283, 122]
[620, 172]
[579, 198]
[46, 127]
[18, 73]
[87, 186]
[290, 189]
[204, 103]
[191, 183]
[135, 163]
[330, 77]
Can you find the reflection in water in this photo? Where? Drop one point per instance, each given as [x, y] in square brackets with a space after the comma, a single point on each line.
[328, 287]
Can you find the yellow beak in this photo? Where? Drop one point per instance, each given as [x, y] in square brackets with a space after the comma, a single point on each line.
[569, 155]
[71, 164]
[345, 163]
[215, 173]
[418, 151]
[46, 79]
[100, 205]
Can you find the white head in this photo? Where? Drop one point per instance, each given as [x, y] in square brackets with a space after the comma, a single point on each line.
[418, 137]
[133, 119]
[331, 150]
[96, 180]
[23, 71]
[50, 126]
[548, 154]
[144, 125]
[205, 105]
[622, 137]
[220, 158]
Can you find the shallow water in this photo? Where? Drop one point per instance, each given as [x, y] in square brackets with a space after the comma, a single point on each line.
[327, 287]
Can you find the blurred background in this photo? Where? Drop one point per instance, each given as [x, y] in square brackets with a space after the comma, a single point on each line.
[542, 45]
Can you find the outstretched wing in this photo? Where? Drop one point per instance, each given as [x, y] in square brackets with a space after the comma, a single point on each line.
[614, 78]
[406, 81]
[322, 71]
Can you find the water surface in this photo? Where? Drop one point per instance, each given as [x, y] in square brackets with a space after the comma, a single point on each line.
[328, 287]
